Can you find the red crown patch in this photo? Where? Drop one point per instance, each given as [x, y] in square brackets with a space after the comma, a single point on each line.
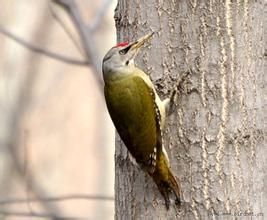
[122, 44]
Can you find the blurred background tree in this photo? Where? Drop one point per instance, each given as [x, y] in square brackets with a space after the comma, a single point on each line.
[56, 138]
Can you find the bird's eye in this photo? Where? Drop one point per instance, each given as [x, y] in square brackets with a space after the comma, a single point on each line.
[122, 52]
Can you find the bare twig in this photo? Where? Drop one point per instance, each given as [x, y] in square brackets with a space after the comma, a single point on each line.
[42, 51]
[57, 199]
[72, 9]
[99, 16]
[38, 215]
[66, 29]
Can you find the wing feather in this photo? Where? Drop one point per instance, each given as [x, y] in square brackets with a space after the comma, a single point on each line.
[133, 110]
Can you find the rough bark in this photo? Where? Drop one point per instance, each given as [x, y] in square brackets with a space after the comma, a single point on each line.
[215, 138]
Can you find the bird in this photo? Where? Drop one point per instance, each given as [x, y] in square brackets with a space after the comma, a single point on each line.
[139, 115]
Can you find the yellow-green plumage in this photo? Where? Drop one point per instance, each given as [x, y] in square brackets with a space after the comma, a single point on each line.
[138, 114]
[132, 106]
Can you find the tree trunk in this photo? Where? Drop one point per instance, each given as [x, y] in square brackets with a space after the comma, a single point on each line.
[215, 138]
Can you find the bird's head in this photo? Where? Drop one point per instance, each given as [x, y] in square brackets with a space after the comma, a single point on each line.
[121, 56]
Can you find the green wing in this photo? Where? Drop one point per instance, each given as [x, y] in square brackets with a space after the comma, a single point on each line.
[132, 107]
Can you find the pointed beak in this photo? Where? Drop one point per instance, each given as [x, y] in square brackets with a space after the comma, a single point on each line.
[140, 42]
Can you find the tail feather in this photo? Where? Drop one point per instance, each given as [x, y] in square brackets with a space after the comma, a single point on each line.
[175, 186]
[166, 185]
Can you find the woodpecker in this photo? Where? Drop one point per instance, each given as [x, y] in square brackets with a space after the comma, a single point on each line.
[139, 114]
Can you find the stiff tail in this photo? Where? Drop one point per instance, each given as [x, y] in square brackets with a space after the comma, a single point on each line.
[176, 188]
[168, 185]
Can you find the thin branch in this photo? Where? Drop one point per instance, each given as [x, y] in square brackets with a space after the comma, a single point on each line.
[37, 215]
[57, 199]
[42, 51]
[99, 16]
[65, 28]
[72, 9]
